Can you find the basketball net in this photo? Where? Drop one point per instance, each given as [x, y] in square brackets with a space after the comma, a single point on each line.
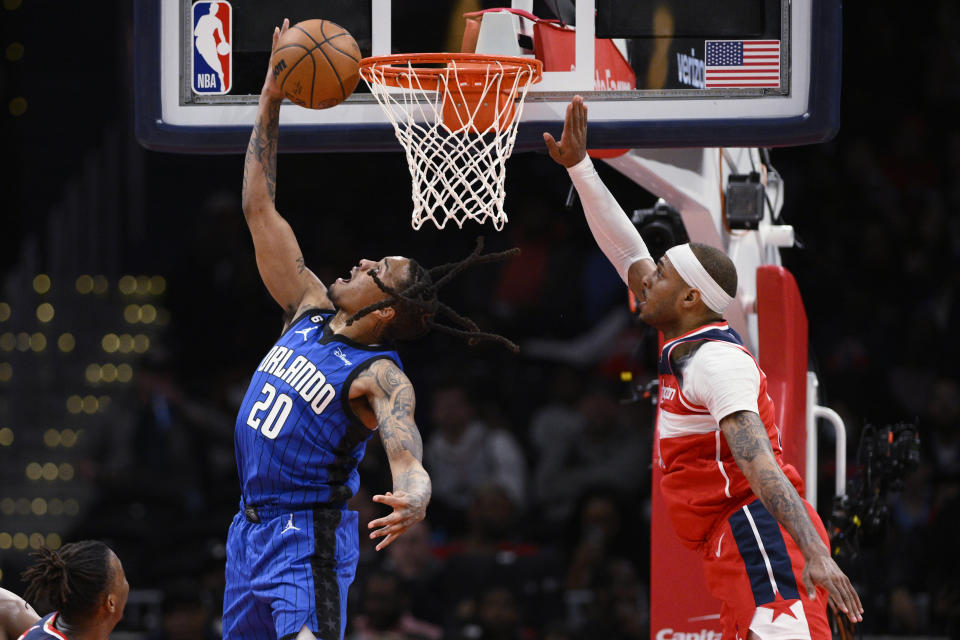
[457, 124]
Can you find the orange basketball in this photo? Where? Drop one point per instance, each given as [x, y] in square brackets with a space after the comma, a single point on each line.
[317, 64]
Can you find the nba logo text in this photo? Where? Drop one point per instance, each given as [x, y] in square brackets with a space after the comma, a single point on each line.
[212, 70]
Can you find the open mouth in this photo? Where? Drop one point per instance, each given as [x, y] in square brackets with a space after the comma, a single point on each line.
[353, 272]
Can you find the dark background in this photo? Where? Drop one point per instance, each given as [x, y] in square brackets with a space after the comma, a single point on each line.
[152, 472]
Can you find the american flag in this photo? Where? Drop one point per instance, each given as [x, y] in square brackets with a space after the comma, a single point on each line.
[742, 63]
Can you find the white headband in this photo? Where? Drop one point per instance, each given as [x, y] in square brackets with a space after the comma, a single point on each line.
[688, 266]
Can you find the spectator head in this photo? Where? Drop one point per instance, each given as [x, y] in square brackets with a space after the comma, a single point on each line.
[452, 409]
[499, 613]
[410, 554]
[491, 514]
[384, 602]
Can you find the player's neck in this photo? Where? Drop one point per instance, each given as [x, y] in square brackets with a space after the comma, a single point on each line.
[81, 631]
[363, 330]
[686, 324]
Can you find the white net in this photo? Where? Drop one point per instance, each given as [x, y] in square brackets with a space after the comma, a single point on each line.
[458, 125]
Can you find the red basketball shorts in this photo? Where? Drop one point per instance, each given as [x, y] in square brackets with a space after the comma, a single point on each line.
[753, 567]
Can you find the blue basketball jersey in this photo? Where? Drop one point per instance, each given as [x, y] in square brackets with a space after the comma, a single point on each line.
[297, 442]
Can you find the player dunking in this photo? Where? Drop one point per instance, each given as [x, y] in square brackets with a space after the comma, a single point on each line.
[315, 399]
[732, 498]
[84, 583]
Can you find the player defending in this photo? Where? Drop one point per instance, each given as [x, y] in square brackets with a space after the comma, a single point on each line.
[318, 395]
[772, 585]
[16, 615]
[85, 584]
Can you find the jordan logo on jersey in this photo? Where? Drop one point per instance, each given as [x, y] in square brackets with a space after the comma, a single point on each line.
[290, 526]
[305, 332]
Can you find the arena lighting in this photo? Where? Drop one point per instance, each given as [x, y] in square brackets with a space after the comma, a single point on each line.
[127, 285]
[41, 283]
[84, 284]
[132, 313]
[51, 438]
[158, 285]
[4, 311]
[68, 438]
[743, 202]
[66, 342]
[45, 312]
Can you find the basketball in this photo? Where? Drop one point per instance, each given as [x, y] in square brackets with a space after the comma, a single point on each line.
[317, 64]
[223, 48]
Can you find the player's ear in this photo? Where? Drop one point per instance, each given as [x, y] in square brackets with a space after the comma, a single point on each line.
[387, 313]
[691, 298]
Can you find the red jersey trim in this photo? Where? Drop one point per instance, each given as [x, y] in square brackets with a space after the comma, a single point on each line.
[48, 627]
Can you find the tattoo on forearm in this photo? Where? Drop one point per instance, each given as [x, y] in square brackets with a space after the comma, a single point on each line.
[416, 483]
[300, 265]
[262, 152]
[747, 439]
[394, 408]
[750, 445]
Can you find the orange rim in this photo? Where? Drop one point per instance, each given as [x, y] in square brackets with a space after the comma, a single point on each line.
[395, 70]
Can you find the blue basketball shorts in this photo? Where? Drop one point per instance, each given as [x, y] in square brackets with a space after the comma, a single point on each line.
[290, 570]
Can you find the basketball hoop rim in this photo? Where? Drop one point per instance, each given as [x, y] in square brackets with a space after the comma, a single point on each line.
[391, 67]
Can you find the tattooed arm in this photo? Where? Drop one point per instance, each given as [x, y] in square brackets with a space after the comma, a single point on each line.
[750, 445]
[390, 395]
[279, 257]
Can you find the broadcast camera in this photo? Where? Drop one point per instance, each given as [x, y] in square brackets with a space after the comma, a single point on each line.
[661, 227]
[886, 456]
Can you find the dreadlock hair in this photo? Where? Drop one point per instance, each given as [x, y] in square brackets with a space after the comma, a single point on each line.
[416, 305]
[70, 580]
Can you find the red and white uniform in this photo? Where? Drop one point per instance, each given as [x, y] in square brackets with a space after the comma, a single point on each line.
[44, 629]
[752, 565]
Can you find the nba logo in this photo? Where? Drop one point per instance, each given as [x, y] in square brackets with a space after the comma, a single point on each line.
[212, 69]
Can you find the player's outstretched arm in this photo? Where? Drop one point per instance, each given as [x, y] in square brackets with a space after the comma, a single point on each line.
[279, 258]
[390, 394]
[750, 445]
[615, 234]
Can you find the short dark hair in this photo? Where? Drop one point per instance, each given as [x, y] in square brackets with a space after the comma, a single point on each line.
[71, 580]
[718, 265]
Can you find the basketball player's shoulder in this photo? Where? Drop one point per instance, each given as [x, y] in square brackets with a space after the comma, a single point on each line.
[716, 358]
[12, 607]
[378, 375]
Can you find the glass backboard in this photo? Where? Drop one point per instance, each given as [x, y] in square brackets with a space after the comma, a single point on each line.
[757, 73]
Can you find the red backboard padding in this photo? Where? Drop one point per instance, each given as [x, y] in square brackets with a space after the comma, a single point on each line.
[782, 323]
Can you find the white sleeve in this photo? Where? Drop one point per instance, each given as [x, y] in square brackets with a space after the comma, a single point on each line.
[722, 378]
[615, 234]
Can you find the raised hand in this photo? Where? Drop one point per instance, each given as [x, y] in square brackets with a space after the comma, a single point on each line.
[573, 141]
[270, 86]
[408, 510]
